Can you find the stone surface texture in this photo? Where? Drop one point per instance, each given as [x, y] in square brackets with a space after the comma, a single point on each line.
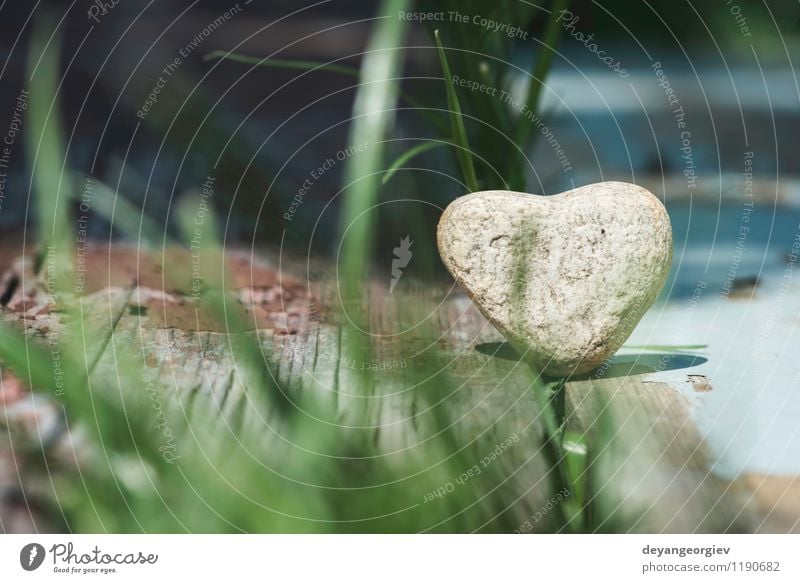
[565, 278]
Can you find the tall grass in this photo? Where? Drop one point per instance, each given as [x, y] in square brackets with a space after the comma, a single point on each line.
[303, 462]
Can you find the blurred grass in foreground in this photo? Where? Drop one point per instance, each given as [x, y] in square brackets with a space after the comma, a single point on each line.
[293, 472]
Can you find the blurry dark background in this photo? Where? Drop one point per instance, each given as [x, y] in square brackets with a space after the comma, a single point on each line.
[271, 127]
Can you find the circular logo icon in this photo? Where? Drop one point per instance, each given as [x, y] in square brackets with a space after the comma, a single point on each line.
[31, 556]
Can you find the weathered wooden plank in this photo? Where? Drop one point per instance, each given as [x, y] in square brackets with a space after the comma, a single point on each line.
[657, 459]
[778, 501]
[657, 455]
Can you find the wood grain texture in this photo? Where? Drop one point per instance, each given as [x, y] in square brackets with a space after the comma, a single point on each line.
[653, 476]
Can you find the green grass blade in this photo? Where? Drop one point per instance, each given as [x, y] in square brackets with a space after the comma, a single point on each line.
[574, 447]
[28, 361]
[373, 114]
[666, 347]
[544, 61]
[282, 63]
[409, 155]
[45, 143]
[464, 152]
[216, 301]
[124, 215]
[319, 66]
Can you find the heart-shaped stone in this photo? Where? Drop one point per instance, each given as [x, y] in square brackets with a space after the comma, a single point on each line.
[565, 278]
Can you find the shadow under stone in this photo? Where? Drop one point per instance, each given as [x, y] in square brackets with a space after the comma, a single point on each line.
[623, 365]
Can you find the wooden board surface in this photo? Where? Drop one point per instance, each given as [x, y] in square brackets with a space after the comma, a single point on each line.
[192, 363]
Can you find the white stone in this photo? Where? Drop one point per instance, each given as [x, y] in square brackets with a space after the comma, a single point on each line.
[565, 278]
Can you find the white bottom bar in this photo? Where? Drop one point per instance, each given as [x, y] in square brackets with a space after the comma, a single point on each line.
[401, 559]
